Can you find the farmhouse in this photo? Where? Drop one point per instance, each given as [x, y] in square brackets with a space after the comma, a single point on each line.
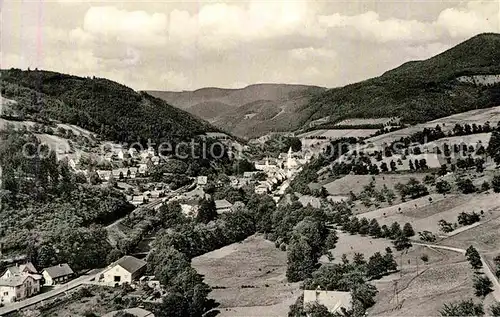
[223, 206]
[18, 287]
[57, 274]
[202, 180]
[332, 300]
[138, 200]
[22, 269]
[125, 270]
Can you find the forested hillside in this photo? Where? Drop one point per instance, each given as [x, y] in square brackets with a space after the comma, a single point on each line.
[47, 211]
[418, 91]
[112, 110]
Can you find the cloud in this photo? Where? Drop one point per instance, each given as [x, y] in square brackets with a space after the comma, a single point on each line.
[137, 28]
[476, 17]
[368, 26]
[209, 43]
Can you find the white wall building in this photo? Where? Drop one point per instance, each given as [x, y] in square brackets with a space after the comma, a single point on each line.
[125, 270]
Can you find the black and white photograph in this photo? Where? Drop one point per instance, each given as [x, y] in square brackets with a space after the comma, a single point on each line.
[249, 158]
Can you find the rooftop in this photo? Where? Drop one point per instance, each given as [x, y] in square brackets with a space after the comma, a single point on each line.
[59, 270]
[332, 300]
[130, 263]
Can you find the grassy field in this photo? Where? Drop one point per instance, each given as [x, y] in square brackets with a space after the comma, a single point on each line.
[338, 133]
[486, 238]
[424, 215]
[251, 275]
[479, 116]
[350, 244]
[448, 279]
[355, 183]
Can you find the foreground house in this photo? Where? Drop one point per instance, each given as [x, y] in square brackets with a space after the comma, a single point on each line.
[18, 287]
[125, 270]
[19, 282]
[58, 274]
[334, 301]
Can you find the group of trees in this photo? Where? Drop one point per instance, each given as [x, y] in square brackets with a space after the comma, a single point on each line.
[114, 111]
[413, 189]
[48, 212]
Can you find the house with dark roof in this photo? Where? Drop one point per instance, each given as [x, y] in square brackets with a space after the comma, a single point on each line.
[57, 274]
[126, 270]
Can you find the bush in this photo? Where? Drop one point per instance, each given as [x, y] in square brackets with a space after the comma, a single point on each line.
[483, 286]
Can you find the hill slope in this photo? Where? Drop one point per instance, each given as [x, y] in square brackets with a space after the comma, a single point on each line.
[419, 91]
[114, 111]
[247, 112]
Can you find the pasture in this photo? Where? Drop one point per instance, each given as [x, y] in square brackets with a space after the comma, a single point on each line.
[249, 278]
[479, 116]
[355, 183]
[424, 214]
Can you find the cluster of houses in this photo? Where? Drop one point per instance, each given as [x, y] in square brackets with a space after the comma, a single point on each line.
[21, 281]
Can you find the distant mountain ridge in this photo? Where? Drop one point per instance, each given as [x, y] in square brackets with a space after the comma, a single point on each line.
[416, 91]
[246, 112]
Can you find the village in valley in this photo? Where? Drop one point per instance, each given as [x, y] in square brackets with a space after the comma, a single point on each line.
[376, 196]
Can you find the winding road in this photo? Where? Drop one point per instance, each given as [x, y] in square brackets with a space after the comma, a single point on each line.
[84, 279]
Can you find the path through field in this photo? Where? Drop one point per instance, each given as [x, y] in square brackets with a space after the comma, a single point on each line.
[487, 270]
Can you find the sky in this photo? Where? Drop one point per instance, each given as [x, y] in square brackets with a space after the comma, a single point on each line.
[168, 45]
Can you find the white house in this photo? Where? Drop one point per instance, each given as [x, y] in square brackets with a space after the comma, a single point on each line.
[125, 270]
[334, 301]
[261, 189]
[18, 282]
[18, 287]
[57, 274]
[223, 206]
[139, 200]
[201, 180]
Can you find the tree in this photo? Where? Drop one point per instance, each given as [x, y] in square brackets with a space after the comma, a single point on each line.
[374, 229]
[408, 230]
[466, 186]
[173, 305]
[495, 183]
[383, 167]
[495, 310]
[483, 286]
[474, 258]
[445, 226]
[395, 230]
[207, 211]
[301, 260]
[402, 242]
[443, 187]
[462, 308]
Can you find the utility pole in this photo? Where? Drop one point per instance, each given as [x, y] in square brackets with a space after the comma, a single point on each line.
[396, 293]
[416, 260]
[401, 266]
